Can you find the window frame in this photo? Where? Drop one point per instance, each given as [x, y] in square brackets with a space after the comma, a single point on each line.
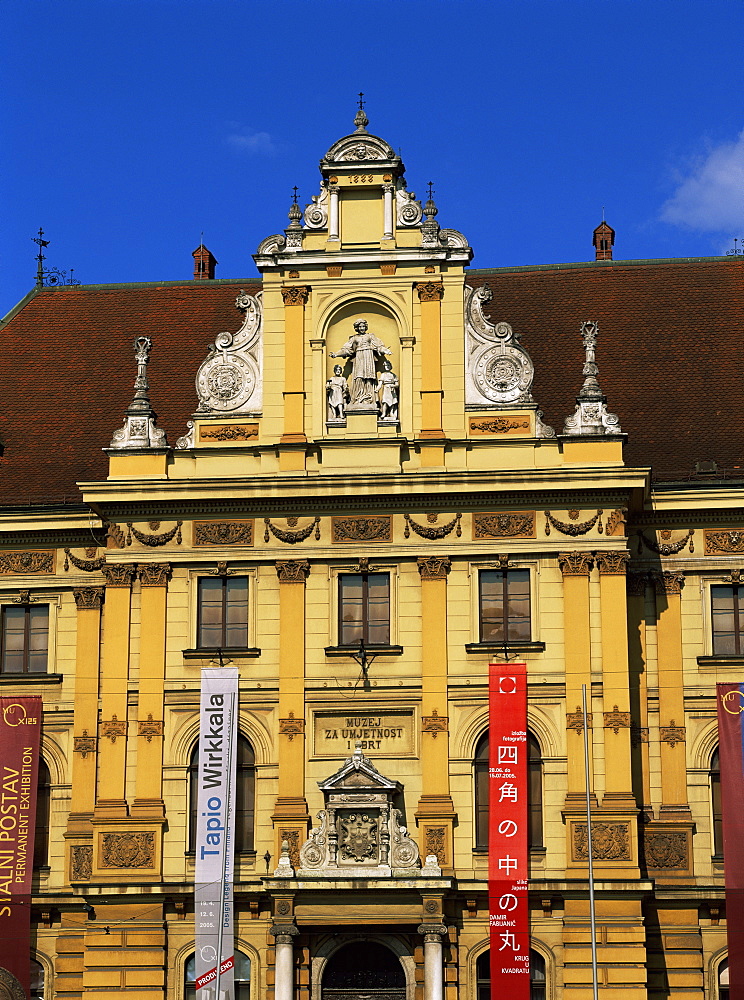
[27, 607]
[187, 989]
[334, 608]
[208, 652]
[738, 608]
[483, 985]
[505, 573]
[716, 811]
[365, 605]
[478, 645]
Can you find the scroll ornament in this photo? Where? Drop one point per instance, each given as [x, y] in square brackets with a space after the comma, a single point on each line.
[573, 529]
[441, 531]
[292, 537]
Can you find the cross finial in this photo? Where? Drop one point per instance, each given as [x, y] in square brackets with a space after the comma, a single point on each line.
[360, 119]
[361, 100]
[431, 190]
[295, 189]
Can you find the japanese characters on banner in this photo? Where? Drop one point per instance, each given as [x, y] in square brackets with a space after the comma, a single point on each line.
[215, 832]
[20, 738]
[507, 832]
[730, 701]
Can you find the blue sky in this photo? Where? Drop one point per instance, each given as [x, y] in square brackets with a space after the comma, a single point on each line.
[131, 126]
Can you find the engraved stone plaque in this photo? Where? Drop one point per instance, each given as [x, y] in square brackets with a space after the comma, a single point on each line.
[384, 733]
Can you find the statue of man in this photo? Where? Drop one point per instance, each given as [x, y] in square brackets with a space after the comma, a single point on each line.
[364, 348]
[338, 393]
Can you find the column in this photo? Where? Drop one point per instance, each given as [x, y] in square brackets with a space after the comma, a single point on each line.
[387, 193]
[293, 458]
[430, 294]
[636, 589]
[575, 567]
[333, 210]
[433, 970]
[149, 781]
[290, 811]
[85, 725]
[112, 739]
[284, 961]
[435, 814]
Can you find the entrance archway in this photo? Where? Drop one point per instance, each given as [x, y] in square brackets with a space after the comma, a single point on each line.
[363, 970]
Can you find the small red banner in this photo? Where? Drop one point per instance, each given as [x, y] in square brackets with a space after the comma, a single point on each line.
[20, 736]
[730, 701]
[507, 832]
[211, 975]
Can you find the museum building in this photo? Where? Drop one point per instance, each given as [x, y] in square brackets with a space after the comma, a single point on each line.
[371, 474]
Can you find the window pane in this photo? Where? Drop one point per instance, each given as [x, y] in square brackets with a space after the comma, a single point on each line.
[378, 608]
[210, 614]
[14, 632]
[38, 639]
[236, 630]
[491, 606]
[350, 608]
[518, 584]
[725, 633]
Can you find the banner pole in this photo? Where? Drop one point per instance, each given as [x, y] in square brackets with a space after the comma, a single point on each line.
[223, 881]
[595, 985]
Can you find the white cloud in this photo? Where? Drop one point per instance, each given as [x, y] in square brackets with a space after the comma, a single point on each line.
[250, 141]
[710, 197]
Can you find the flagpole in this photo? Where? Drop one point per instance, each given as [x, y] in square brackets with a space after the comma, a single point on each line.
[223, 880]
[595, 985]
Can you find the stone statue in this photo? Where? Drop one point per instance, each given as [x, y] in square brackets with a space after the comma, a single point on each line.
[338, 394]
[364, 348]
[388, 392]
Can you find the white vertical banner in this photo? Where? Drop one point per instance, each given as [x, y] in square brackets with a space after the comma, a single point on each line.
[215, 834]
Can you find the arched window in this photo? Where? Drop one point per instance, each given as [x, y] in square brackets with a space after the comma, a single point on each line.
[43, 802]
[537, 976]
[37, 980]
[245, 795]
[715, 804]
[723, 980]
[242, 974]
[534, 792]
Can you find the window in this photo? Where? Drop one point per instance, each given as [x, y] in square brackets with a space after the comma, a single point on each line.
[727, 613]
[537, 976]
[37, 980]
[723, 980]
[715, 804]
[504, 605]
[245, 795]
[364, 609]
[24, 639]
[223, 613]
[41, 834]
[242, 974]
[534, 792]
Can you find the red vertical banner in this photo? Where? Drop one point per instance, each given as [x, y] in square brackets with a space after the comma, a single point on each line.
[507, 832]
[730, 702]
[20, 737]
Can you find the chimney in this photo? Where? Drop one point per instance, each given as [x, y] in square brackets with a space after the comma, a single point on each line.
[204, 263]
[604, 238]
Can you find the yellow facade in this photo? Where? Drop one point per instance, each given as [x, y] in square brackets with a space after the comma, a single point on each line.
[430, 502]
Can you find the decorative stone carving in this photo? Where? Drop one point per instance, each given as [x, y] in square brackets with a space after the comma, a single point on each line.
[229, 380]
[115, 536]
[81, 863]
[375, 528]
[119, 574]
[316, 213]
[223, 532]
[24, 597]
[292, 537]
[591, 416]
[434, 724]
[735, 576]
[666, 849]
[573, 529]
[271, 245]
[360, 833]
[127, 850]
[87, 598]
[610, 842]
[293, 571]
[364, 349]
[434, 567]
[497, 425]
[187, 440]
[612, 563]
[229, 432]
[616, 522]
[291, 840]
[724, 542]
[295, 295]
[433, 534]
[430, 291]
[575, 563]
[84, 744]
[338, 395]
[26, 562]
[668, 582]
[155, 540]
[575, 720]
[154, 574]
[504, 525]
[150, 727]
[672, 734]
[139, 430]
[616, 720]
[409, 211]
[636, 584]
[666, 548]
[114, 728]
[435, 843]
[87, 565]
[292, 727]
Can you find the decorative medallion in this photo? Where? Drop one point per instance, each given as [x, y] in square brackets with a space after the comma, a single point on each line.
[612, 563]
[434, 843]
[292, 727]
[666, 548]
[672, 734]
[292, 537]
[87, 598]
[441, 531]
[228, 432]
[573, 529]
[610, 842]
[127, 850]
[434, 567]
[81, 863]
[119, 574]
[504, 525]
[26, 562]
[154, 574]
[377, 528]
[293, 571]
[575, 720]
[434, 724]
[87, 565]
[666, 849]
[575, 563]
[84, 744]
[151, 727]
[154, 540]
[498, 425]
[616, 721]
[114, 728]
[724, 542]
[223, 532]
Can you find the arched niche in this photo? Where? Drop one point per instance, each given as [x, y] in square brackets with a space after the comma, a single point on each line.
[382, 323]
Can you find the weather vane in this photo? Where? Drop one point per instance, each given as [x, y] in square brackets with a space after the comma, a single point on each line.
[52, 275]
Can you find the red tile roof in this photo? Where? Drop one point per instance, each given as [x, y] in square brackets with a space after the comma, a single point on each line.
[669, 357]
